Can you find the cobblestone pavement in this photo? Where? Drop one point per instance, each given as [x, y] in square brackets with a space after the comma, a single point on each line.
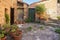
[46, 34]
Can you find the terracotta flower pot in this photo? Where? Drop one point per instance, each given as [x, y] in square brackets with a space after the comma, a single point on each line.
[20, 22]
[16, 22]
[23, 22]
[44, 16]
[7, 29]
[19, 31]
[12, 34]
[3, 38]
[41, 16]
[16, 37]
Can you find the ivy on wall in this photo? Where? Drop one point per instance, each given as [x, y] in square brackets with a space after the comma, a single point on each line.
[6, 18]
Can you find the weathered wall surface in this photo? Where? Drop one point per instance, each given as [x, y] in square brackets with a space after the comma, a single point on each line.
[51, 6]
[58, 9]
[5, 4]
[22, 9]
[25, 10]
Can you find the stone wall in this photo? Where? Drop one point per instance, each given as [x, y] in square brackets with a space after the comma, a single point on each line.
[58, 9]
[51, 6]
[25, 10]
[5, 4]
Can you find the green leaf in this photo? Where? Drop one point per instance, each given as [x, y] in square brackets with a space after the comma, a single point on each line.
[1, 35]
[7, 18]
[40, 8]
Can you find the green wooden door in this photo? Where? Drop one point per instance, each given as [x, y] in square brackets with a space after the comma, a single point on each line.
[32, 14]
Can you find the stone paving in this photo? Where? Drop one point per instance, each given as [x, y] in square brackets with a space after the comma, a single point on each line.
[38, 34]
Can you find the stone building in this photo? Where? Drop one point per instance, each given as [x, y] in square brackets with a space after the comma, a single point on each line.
[50, 5]
[6, 6]
[15, 7]
[12, 8]
[22, 11]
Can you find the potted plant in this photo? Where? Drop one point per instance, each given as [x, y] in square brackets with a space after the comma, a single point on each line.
[17, 36]
[15, 32]
[16, 22]
[2, 35]
[40, 10]
[6, 27]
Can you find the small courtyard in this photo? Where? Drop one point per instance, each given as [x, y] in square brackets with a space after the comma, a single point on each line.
[39, 31]
[25, 21]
